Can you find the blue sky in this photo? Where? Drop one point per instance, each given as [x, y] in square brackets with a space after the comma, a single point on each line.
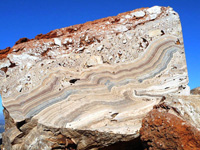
[27, 18]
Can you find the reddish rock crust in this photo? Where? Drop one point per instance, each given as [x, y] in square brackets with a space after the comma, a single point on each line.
[163, 130]
[71, 31]
[5, 52]
[22, 40]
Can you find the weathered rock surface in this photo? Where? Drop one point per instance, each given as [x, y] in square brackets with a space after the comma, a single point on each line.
[89, 86]
[195, 91]
[173, 124]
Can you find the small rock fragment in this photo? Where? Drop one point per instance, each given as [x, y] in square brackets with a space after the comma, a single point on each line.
[154, 10]
[94, 60]
[57, 41]
[139, 14]
[100, 48]
[124, 41]
[154, 33]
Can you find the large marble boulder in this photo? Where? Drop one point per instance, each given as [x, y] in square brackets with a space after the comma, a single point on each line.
[89, 86]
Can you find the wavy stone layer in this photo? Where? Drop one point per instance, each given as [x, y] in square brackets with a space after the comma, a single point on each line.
[101, 76]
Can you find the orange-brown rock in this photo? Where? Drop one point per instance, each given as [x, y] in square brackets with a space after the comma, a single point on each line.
[162, 129]
[5, 52]
[22, 40]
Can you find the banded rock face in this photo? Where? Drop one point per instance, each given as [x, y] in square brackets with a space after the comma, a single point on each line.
[91, 83]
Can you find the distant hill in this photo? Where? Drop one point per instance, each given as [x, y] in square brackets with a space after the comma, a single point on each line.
[196, 91]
